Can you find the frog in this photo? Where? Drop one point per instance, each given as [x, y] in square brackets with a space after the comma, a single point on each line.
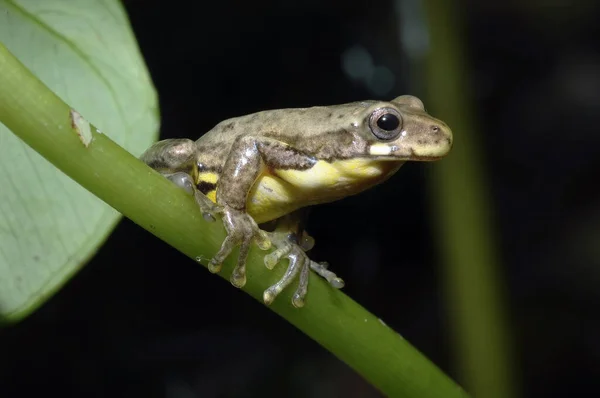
[260, 173]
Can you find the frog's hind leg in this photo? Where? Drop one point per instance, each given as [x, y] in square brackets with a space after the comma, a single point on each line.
[176, 160]
[292, 242]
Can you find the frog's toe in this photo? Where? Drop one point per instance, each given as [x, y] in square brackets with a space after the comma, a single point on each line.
[273, 258]
[209, 217]
[300, 294]
[216, 262]
[297, 262]
[238, 276]
[262, 240]
[242, 231]
[214, 266]
[182, 180]
[238, 279]
[307, 242]
[321, 269]
[208, 209]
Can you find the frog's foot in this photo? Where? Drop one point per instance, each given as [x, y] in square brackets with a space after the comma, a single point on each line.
[300, 264]
[242, 230]
[184, 181]
[306, 242]
[321, 269]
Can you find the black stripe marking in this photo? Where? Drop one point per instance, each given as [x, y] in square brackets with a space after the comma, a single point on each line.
[206, 187]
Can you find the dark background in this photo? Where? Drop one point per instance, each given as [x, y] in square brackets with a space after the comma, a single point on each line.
[142, 320]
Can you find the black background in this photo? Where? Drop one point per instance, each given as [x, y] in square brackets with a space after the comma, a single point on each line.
[142, 320]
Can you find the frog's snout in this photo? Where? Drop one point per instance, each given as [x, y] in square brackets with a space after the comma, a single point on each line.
[434, 142]
[441, 134]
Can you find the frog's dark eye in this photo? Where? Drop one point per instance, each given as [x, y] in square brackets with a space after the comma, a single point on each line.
[386, 123]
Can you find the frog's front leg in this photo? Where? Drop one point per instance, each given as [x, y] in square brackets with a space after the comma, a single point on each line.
[292, 241]
[248, 158]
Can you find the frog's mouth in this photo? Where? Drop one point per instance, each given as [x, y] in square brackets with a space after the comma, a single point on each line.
[391, 152]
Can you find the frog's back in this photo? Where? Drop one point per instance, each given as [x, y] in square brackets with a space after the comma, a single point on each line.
[314, 121]
[302, 128]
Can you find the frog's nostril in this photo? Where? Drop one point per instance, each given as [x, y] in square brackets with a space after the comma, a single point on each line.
[435, 129]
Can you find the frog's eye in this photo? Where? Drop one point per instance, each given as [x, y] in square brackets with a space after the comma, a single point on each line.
[386, 123]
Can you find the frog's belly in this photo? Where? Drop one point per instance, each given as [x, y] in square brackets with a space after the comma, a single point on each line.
[279, 192]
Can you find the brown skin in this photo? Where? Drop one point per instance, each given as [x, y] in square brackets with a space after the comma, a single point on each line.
[273, 162]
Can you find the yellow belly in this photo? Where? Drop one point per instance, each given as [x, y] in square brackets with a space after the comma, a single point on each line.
[280, 192]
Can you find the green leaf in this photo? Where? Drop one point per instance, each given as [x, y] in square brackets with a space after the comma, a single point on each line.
[50, 226]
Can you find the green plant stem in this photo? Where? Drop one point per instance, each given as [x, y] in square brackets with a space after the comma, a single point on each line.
[354, 335]
[471, 273]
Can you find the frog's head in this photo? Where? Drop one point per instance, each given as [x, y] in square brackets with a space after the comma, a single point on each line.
[402, 130]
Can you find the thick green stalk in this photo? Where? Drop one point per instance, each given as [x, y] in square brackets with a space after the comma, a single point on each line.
[354, 335]
[472, 277]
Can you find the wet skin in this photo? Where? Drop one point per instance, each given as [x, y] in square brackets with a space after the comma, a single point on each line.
[265, 168]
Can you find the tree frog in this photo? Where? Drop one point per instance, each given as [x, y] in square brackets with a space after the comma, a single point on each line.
[266, 168]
